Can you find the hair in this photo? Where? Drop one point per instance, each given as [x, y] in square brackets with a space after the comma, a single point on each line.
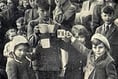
[107, 10]
[97, 42]
[43, 4]
[81, 30]
[20, 20]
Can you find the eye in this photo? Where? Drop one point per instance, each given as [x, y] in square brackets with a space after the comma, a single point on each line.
[101, 47]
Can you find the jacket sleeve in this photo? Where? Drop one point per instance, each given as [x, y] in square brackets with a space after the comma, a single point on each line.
[60, 16]
[11, 70]
[81, 48]
[31, 26]
[6, 51]
[96, 18]
[111, 71]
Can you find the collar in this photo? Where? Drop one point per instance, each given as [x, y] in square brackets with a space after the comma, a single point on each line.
[92, 58]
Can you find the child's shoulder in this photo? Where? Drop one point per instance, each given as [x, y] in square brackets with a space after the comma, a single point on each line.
[11, 62]
[109, 59]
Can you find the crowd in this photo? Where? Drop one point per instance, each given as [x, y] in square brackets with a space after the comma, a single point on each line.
[58, 39]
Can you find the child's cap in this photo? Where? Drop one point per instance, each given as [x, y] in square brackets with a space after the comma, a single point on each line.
[107, 9]
[81, 30]
[18, 40]
[102, 38]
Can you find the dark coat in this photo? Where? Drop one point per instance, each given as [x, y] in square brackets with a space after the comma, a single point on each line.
[47, 59]
[76, 63]
[16, 70]
[112, 35]
[102, 68]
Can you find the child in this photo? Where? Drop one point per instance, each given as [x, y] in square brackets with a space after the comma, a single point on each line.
[110, 30]
[18, 67]
[76, 61]
[21, 27]
[9, 35]
[100, 65]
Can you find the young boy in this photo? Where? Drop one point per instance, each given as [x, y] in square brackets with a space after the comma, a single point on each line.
[110, 30]
[18, 67]
[100, 65]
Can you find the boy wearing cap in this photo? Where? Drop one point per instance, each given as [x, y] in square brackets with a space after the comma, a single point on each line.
[110, 30]
[18, 66]
[99, 65]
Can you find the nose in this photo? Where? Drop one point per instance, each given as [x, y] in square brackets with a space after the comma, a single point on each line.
[22, 52]
[45, 13]
[97, 49]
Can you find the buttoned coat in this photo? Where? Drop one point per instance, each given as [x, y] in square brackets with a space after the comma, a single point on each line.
[76, 63]
[16, 70]
[102, 68]
[112, 35]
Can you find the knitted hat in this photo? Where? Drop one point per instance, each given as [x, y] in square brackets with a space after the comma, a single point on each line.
[18, 40]
[102, 38]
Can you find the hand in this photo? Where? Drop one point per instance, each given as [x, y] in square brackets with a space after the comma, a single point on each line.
[62, 73]
[67, 37]
[68, 34]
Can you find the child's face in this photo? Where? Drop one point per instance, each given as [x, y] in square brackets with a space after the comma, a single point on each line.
[21, 51]
[42, 13]
[81, 38]
[25, 3]
[12, 33]
[99, 49]
[10, 3]
[107, 18]
[32, 3]
[36, 29]
[19, 26]
[3, 6]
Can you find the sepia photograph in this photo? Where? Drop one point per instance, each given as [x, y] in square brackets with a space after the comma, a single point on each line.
[58, 39]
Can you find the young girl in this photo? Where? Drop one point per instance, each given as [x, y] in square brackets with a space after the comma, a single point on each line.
[100, 65]
[18, 67]
[76, 60]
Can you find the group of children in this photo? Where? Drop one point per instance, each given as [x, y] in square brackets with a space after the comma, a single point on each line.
[35, 53]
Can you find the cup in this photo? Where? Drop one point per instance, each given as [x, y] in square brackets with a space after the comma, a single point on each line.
[43, 28]
[51, 28]
[61, 33]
